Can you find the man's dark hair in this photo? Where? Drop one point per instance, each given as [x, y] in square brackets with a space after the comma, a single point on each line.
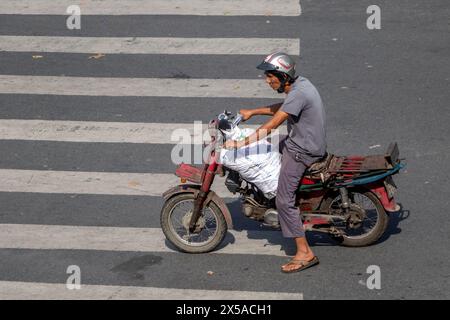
[283, 77]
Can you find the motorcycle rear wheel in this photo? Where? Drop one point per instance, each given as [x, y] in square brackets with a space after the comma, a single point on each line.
[179, 235]
[366, 239]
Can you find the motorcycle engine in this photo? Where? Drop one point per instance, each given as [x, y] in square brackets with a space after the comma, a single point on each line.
[233, 181]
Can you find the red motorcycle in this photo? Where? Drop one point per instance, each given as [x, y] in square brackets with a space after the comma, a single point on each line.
[347, 197]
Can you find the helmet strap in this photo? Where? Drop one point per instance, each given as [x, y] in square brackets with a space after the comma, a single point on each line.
[283, 82]
[283, 78]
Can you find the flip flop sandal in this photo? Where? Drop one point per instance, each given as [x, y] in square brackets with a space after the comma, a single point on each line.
[302, 263]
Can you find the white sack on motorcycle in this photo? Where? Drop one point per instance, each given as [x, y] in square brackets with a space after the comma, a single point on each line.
[258, 163]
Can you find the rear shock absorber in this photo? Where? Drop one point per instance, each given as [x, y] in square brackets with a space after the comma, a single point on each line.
[344, 197]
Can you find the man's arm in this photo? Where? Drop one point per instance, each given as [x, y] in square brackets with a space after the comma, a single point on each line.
[268, 111]
[261, 132]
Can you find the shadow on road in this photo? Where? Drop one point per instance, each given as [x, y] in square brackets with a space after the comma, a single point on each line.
[394, 220]
[275, 238]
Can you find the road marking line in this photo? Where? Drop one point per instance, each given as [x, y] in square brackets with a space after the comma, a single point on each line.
[56, 237]
[107, 132]
[156, 7]
[79, 182]
[141, 45]
[15, 290]
[143, 87]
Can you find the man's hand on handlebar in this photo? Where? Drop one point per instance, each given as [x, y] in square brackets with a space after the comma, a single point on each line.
[246, 114]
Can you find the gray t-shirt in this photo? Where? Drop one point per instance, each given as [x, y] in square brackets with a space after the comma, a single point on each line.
[306, 122]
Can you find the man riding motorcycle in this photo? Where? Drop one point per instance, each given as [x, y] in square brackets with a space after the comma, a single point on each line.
[304, 145]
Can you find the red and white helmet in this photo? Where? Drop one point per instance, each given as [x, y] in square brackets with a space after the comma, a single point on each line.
[278, 62]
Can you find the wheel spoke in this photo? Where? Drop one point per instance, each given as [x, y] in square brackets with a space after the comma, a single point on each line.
[208, 222]
[369, 220]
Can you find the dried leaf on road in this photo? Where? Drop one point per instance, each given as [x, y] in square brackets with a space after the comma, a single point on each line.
[97, 56]
[133, 183]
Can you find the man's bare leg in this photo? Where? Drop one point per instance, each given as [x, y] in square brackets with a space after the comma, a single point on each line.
[304, 252]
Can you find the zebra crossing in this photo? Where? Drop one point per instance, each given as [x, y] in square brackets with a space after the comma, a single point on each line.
[112, 132]
[52, 237]
[113, 183]
[149, 45]
[25, 290]
[23, 240]
[152, 87]
[157, 7]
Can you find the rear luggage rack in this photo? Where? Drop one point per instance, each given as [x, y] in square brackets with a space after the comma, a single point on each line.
[392, 153]
[348, 168]
[360, 164]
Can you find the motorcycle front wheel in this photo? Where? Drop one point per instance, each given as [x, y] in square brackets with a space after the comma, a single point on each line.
[175, 217]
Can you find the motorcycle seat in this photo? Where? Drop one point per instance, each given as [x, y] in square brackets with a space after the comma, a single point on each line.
[320, 170]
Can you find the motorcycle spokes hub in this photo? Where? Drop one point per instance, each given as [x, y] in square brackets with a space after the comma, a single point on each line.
[355, 216]
[198, 226]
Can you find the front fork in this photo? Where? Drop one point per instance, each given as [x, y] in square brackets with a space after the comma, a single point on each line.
[207, 181]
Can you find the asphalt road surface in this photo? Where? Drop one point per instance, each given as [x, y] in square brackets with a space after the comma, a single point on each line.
[85, 148]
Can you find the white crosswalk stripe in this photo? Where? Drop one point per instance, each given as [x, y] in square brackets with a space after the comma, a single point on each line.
[59, 237]
[126, 239]
[112, 183]
[15, 290]
[148, 45]
[156, 7]
[142, 87]
[108, 132]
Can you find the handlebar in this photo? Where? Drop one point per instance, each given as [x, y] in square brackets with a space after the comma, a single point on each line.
[237, 120]
[226, 122]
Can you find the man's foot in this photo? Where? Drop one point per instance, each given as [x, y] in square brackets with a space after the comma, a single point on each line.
[295, 264]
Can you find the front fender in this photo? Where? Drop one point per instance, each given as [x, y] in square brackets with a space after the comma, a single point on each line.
[212, 196]
[182, 188]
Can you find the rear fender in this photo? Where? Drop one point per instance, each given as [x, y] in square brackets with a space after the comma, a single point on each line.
[379, 189]
[212, 196]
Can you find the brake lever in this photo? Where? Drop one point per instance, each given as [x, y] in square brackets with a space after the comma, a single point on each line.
[237, 120]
